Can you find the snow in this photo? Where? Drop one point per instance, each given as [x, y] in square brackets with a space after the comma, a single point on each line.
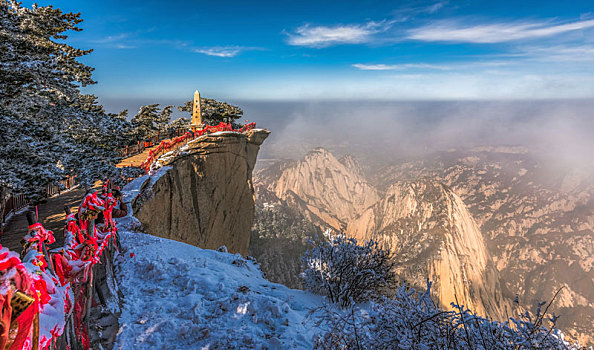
[156, 174]
[178, 296]
[227, 132]
[218, 133]
[132, 190]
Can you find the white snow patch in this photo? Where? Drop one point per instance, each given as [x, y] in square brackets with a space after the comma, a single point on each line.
[218, 133]
[178, 296]
[132, 189]
[158, 173]
[223, 133]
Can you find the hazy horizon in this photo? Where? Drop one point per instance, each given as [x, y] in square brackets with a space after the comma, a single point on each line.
[559, 130]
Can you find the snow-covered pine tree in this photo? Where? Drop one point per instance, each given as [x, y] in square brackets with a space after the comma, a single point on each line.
[164, 118]
[214, 112]
[145, 121]
[181, 123]
[49, 130]
[150, 120]
[347, 272]
[125, 136]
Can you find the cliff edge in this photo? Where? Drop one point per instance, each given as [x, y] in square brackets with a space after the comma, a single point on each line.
[206, 197]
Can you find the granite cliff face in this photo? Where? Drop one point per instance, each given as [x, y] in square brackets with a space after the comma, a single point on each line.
[323, 188]
[538, 223]
[207, 198]
[424, 223]
[433, 236]
[485, 223]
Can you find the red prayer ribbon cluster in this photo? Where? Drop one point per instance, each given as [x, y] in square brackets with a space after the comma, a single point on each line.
[59, 287]
[165, 145]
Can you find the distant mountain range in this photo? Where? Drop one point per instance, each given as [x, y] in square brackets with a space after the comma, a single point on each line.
[485, 224]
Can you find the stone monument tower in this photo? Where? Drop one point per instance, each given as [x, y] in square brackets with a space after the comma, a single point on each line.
[197, 113]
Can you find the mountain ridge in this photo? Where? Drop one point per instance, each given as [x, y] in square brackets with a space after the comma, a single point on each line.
[333, 192]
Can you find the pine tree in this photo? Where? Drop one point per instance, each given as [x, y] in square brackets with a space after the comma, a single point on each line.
[214, 112]
[123, 135]
[181, 123]
[164, 119]
[145, 122]
[49, 130]
[149, 121]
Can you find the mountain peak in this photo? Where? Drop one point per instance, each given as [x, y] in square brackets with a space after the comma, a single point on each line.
[428, 226]
[334, 191]
[319, 152]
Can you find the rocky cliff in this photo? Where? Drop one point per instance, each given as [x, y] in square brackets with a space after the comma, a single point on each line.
[538, 223]
[323, 188]
[280, 237]
[424, 223]
[433, 236]
[206, 198]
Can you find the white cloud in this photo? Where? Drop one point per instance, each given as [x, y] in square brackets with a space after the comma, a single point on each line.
[493, 33]
[559, 53]
[426, 86]
[322, 36]
[406, 13]
[112, 38]
[436, 7]
[220, 51]
[125, 46]
[362, 66]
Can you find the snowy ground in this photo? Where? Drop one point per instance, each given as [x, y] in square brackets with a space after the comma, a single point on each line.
[178, 296]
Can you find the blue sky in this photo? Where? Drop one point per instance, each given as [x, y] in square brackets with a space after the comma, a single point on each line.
[304, 50]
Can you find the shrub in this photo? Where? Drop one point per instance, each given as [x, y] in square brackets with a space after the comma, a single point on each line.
[411, 320]
[346, 272]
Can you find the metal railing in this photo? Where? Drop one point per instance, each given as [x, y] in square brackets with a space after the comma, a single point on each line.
[12, 204]
[63, 185]
[140, 146]
[15, 202]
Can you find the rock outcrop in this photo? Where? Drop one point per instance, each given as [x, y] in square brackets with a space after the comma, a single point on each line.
[432, 235]
[206, 198]
[322, 188]
[424, 223]
[538, 223]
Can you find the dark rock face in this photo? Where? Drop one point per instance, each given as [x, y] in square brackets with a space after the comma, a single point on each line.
[207, 198]
[280, 236]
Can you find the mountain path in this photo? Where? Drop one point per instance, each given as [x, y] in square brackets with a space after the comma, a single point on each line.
[51, 211]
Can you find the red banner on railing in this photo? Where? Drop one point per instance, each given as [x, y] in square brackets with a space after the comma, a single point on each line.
[209, 129]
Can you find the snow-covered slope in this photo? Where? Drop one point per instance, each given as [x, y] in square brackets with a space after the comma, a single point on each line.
[178, 296]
